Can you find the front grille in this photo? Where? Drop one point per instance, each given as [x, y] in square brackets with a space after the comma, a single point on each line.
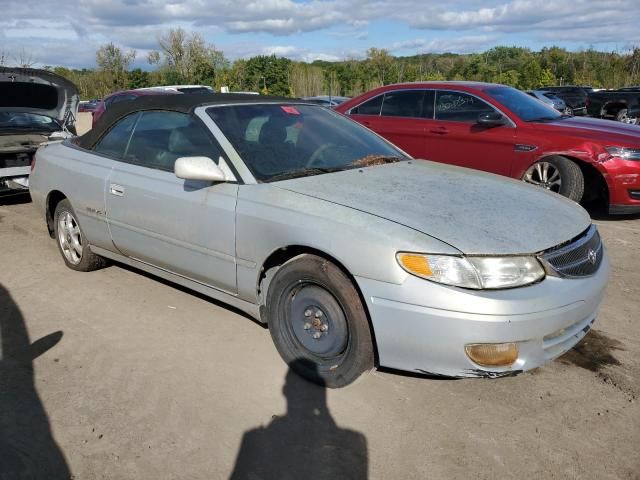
[580, 258]
[10, 160]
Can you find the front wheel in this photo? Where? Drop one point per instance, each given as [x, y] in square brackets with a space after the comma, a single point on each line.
[318, 323]
[558, 174]
[71, 240]
[623, 116]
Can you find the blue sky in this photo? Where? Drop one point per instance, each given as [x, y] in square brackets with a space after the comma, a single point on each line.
[68, 32]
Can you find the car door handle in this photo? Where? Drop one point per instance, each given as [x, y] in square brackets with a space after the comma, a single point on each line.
[117, 190]
[439, 130]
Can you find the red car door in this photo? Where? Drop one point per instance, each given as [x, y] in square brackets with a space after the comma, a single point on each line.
[400, 116]
[458, 139]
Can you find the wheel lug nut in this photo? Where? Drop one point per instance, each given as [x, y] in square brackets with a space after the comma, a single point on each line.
[324, 327]
[308, 312]
[317, 335]
[307, 326]
[319, 314]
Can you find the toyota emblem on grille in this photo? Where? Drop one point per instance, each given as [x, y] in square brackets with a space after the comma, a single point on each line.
[592, 256]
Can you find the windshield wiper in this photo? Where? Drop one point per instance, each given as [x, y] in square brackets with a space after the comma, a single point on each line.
[304, 172]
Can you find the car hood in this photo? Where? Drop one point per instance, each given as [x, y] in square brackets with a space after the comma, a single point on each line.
[473, 211]
[36, 91]
[594, 129]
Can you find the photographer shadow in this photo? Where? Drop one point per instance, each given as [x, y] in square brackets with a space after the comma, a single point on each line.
[305, 443]
[27, 448]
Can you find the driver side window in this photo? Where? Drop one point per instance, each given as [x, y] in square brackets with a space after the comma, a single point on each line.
[114, 143]
[460, 107]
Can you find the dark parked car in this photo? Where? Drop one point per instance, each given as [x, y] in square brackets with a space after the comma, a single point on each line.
[575, 96]
[125, 96]
[551, 99]
[88, 106]
[503, 130]
[622, 105]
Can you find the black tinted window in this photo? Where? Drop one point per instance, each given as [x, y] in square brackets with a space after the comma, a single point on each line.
[403, 104]
[160, 138]
[370, 107]
[460, 107]
[115, 141]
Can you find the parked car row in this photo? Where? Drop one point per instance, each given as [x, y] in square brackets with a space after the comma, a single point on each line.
[352, 252]
[502, 130]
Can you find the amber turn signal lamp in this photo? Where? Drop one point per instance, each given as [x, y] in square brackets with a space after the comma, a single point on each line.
[416, 264]
[492, 354]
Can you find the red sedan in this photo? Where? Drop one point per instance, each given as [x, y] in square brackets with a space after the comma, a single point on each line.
[502, 130]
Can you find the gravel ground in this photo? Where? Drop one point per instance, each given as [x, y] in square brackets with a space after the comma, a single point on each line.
[117, 375]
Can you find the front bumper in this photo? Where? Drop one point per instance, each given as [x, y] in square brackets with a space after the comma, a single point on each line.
[423, 327]
[14, 179]
[623, 181]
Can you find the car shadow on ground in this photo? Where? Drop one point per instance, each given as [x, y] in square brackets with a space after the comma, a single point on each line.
[305, 443]
[27, 447]
[14, 199]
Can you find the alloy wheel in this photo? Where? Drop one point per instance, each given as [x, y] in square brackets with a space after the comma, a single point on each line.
[69, 238]
[625, 118]
[545, 175]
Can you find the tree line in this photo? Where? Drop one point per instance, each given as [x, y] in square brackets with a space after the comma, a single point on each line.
[186, 58]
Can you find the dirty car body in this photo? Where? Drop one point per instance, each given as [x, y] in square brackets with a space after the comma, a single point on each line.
[35, 106]
[445, 261]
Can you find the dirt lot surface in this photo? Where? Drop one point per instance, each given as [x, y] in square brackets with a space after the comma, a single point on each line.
[83, 124]
[116, 375]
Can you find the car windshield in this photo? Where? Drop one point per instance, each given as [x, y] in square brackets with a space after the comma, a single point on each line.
[525, 107]
[27, 121]
[279, 141]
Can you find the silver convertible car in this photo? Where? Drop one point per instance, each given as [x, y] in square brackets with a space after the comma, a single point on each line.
[354, 254]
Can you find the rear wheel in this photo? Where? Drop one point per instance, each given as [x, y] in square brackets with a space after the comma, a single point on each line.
[623, 116]
[318, 323]
[71, 241]
[558, 174]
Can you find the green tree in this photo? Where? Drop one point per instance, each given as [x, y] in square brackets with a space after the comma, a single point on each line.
[114, 63]
[269, 75]
[187, 58]
[138, 78]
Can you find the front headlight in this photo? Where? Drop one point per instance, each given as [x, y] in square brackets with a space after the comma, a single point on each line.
[624, 153]
[473, 272]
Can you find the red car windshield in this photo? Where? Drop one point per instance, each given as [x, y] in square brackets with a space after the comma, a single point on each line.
[528, 109]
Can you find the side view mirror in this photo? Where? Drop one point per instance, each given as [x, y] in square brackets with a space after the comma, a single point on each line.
[491, 119]
[199, 168]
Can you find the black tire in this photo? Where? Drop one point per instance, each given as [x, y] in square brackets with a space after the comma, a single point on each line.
[343, 348]
[87, 261]
[572, 179]
[623, 116]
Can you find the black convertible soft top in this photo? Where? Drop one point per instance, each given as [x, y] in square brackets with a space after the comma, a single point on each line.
[184, 103]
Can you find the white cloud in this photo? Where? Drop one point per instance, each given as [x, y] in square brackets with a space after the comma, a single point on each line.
[43, 26]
